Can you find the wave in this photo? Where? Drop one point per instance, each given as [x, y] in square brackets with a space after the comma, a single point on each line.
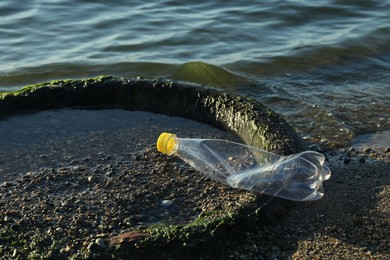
[197, 71]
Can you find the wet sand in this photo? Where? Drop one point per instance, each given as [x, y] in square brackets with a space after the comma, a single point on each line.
[75, 184]
[352, 220]
[71, 176]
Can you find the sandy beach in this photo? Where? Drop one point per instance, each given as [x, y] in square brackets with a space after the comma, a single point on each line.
[93, 193]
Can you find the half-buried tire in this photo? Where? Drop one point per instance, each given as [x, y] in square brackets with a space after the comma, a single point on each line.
[246, 118]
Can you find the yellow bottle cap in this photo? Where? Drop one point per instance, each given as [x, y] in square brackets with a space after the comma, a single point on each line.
[166, 144]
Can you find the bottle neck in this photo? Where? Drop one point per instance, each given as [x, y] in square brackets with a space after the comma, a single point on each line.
[167, 143]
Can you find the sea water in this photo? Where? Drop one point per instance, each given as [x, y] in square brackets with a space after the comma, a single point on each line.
[322, 65]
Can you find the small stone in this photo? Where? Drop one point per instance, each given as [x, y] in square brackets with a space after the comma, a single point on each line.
[26, 177]
[100, 242]
[314, 147]
[166, 203]
[59, 230]
[90, 178]
[387, 150]
[78, 168]
[368, 150]
[7, 184]
[65, 249]
[127, 221]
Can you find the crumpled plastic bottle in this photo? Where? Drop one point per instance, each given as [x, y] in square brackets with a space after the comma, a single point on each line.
[295, 177]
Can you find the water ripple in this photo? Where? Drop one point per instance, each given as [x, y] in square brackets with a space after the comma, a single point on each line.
[318, 63]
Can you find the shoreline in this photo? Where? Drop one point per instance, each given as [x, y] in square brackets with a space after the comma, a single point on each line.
[351, 221]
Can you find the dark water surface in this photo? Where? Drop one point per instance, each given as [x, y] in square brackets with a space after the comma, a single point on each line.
[323, 65]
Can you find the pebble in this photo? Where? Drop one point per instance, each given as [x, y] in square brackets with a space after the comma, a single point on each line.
[314, 147]
[100, 242]
[368, 150]
[166, 203]
[127, 221]
[65, 249]
[59, 229]
[7, 184]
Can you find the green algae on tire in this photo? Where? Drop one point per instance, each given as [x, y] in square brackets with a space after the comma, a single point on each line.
[248, 119]
[254, 123]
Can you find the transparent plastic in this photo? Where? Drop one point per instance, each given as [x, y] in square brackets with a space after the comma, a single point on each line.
[295, 177]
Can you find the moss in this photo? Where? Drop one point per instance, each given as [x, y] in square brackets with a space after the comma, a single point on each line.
[198, 238]
[27, 244]
[202, 224]
[30, 88]
[202, 237]
[179, 240]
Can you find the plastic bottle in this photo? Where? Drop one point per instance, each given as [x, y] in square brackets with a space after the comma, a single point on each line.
[295, 177]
